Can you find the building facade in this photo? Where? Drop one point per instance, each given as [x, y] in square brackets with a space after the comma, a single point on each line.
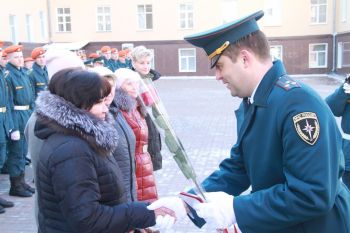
[310, 36]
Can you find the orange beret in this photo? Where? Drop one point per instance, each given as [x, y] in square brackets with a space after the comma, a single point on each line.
[37, 52]
[105, 49]
[122, 53]
[93, 55]
[1, 43]
[114, 50]
[13, 48]
[27, 59]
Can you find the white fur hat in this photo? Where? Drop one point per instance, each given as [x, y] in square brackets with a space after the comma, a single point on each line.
[124, 74]
[57, 60]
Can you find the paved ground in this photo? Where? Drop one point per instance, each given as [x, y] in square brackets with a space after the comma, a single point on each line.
[202, 114]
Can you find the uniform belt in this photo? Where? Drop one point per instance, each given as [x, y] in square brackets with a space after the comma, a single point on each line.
[21, 108]
[2, 109]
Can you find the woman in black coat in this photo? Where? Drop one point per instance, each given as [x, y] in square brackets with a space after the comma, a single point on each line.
[80, 185]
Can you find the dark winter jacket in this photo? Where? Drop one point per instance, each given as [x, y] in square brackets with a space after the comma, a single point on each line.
[146, 185]
[125, 152]
[80, 185]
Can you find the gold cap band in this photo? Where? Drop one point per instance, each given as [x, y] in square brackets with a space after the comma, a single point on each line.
[219, 50]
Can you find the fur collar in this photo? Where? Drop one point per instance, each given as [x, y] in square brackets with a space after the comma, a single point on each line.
[126, 103]
[66, 118]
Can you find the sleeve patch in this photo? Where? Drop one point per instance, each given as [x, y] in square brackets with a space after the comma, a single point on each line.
[307, 126]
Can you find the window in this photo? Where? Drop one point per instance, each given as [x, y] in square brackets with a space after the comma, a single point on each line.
[276, 52]
[42, 25]
[13, 28]
[346, 54]
[145, 16]
[104, 19]
[228, 10]
[127, 46]
[344, 6]
[318, 11]
[273, 9]
[186, 15]
[318, 55]
[187, 60]
[28, 28]
[64, 20]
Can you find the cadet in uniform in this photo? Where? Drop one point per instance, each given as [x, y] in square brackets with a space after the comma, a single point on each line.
[115, 58]
[106, 54]
[6, 124]
[38, 76]
[22, 101]
[288, 148]
[339, 102]
[28, 64]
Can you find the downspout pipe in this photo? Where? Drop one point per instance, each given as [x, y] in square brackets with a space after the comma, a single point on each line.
[48, 4]
[334, 35]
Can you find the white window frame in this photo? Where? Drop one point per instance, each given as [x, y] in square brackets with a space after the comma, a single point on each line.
[127, 46]
[315, 12]
[280, 51]
[344, 7]
[13, 28]
[43, 30]
[229, 10]
[64, 19]
[144, 17]
[185, 21]
[106, 25]
[187, 69]
[317, 54]
[347, 51]
[273, 13]
[339, 55]
[28, 27]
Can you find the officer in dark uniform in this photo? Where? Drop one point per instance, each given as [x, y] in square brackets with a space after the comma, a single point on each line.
[339, 102]
[288, 149]
[38, 76]
[22, 102]
[6, 124]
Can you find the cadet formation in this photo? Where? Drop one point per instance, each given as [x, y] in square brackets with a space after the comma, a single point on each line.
[289, 149]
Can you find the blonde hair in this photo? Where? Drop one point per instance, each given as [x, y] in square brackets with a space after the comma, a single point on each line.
[140, 52]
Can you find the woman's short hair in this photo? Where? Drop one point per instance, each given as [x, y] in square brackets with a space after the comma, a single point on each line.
[81, 88]
[140, 52]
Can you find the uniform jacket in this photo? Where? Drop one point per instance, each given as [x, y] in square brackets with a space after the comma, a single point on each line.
[6, 123]
[80, 185]
[340, 106]
[21, 93]
[289, 151]
[39, 78]
[125, 152]
[146, 185]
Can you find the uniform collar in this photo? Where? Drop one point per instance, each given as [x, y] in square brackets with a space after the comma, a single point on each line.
[262, 92]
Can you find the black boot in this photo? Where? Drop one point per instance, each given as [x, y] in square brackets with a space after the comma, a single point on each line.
[6, 204]
[25, 185]
[4, 169]
[17, 188]
[2, 209]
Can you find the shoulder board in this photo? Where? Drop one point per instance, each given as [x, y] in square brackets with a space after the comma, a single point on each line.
[287, 83]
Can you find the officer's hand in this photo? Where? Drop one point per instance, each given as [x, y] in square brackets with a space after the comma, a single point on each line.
[218, 211]
[346, 88]
[15, 135]
[173, 203]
